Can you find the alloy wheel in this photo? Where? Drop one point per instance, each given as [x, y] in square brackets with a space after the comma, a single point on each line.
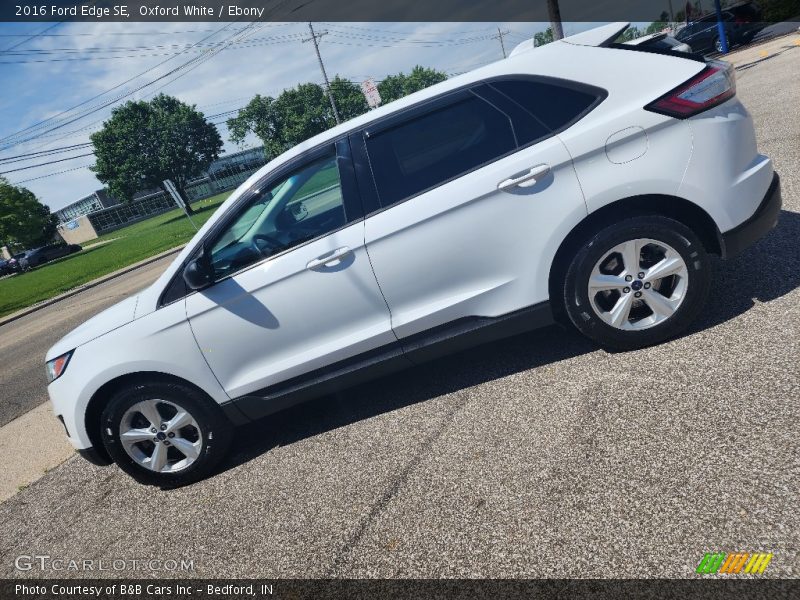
[160, 436]
[638, 284]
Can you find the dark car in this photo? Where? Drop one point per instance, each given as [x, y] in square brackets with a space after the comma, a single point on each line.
[39, 256]
[741, 23]
[15, 262]
[5, 268]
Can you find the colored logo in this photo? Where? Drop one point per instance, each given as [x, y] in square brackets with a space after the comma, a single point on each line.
[734, 563]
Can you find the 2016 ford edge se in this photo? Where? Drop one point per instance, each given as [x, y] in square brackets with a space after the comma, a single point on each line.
[584, 181]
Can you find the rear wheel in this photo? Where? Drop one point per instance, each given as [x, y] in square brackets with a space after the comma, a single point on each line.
[165, 433]
[637, 282]
[718, 43]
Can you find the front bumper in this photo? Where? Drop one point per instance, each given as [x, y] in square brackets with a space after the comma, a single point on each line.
[758, 225]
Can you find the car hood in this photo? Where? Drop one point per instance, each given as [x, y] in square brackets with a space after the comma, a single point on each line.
[108, 320]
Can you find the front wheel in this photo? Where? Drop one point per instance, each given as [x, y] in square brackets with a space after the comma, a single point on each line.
[637, 282]
[165, 433]
[718, 43]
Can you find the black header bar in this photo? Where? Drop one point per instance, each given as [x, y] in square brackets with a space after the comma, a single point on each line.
[359, 10]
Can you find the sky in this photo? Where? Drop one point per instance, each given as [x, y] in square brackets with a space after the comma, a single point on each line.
[46, 69]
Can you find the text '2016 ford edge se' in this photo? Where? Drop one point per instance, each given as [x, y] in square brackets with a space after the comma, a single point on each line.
[584, 181]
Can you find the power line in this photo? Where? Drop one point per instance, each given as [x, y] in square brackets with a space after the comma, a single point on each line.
[141, 51]
[119, 85]
[32, 36]
[391, 31]
[178, 48]
[101, 34]
[44, 164]
[52, 174]
[42, 153]
[120, 33]
[186, 66]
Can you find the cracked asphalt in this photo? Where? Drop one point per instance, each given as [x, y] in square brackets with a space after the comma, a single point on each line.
[539, 456]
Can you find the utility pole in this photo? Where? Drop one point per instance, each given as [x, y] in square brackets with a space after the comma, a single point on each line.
[499, 36]
[555, 19]
[313, 38]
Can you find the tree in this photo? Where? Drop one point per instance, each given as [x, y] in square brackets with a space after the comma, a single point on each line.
[397, 86]
[294, 116]
[773, 11]
[24, 221]
[631, 33]
[543, 37]
[349, 98]
[656, 27]
[144, 143]
[304, 111]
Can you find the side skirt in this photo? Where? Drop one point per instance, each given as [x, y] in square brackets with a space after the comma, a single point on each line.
[414, 350]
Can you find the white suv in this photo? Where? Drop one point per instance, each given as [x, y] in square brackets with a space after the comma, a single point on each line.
[584, 181]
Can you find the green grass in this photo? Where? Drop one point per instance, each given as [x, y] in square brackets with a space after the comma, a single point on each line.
[130, 244]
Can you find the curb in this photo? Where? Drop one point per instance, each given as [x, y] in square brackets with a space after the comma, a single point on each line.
[86, 286]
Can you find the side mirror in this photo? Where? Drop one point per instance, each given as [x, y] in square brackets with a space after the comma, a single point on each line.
[199, 273]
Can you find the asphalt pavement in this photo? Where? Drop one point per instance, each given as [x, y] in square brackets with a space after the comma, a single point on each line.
[24, 342]
[539, 456]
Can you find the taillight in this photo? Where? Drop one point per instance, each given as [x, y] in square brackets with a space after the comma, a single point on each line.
[712, 86]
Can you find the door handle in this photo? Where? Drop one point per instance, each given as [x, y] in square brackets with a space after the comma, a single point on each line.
[325, 259]
[526, 179]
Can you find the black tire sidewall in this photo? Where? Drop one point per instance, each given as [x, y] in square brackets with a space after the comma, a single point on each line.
[669, 231]
[214, 427]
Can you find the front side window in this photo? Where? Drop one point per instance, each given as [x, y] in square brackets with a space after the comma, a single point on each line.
[437, 146]
[297, 208]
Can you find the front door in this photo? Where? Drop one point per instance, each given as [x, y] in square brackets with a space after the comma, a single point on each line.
[294, 288]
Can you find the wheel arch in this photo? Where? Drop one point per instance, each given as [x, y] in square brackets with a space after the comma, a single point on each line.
[100, 398]
[684, 211]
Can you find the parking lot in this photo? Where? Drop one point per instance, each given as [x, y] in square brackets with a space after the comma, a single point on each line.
[539, 456]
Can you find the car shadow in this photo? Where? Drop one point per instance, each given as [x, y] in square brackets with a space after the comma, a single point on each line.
[231, 296]
[764, 272]
[767, 271]
[412, 386]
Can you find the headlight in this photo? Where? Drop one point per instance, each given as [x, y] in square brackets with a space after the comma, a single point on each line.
[57, 366]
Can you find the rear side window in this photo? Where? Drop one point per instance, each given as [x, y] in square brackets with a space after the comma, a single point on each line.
[554, 105]
[436, 147]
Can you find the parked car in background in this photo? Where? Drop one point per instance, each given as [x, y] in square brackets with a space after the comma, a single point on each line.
[661, 41]
[741, 23]
[14, 263]
[39, 256]
[5, 268]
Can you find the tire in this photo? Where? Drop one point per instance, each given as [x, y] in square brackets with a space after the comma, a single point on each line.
[718, 45]
[611, 313]
[207, 433]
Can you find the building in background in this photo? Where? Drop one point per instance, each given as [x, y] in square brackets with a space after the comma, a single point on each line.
[95, 201]
[100, 213]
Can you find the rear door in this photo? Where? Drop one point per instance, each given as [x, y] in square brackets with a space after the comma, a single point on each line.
[474, 195]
